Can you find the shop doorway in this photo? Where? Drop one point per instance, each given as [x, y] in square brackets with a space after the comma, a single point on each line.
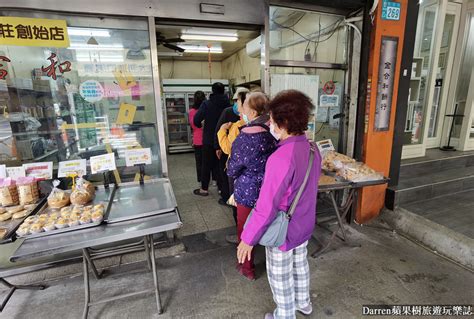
[427, 125]
[192, 57]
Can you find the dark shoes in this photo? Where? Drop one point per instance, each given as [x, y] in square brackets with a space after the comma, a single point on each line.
[200, 192]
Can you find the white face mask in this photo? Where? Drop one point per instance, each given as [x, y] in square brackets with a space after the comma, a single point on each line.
[272, 131]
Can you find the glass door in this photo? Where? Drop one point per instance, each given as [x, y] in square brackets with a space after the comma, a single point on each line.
[443, 74]
[462, 88]
[176, 119]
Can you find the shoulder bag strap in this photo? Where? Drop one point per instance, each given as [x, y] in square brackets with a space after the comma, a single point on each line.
[303, 185]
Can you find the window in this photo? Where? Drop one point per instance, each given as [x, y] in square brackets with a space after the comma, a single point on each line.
[92, 97]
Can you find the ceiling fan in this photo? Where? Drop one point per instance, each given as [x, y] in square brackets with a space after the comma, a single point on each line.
[168, 43]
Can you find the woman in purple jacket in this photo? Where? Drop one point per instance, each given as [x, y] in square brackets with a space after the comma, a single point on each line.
[287, 265]
[246, 166]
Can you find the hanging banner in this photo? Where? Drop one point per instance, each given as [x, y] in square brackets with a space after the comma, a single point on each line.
[386, 78]
[33, 32]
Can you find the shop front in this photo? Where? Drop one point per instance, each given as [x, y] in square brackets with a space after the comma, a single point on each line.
[107, 96]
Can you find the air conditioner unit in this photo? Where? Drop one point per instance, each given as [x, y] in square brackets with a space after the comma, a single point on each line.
[253, 47]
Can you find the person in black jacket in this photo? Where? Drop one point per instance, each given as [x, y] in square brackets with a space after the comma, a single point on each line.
[209, 113]
[230, 114]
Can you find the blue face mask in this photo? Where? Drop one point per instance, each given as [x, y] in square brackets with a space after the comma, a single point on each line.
[245, 118]
[235, 107]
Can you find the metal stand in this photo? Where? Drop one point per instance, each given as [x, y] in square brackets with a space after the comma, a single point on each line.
[345, 208]
[88, 262]
[454, 116]
[15, 287]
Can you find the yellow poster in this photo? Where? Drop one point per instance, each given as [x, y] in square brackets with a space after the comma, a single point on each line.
[126, 114]
[33, 32]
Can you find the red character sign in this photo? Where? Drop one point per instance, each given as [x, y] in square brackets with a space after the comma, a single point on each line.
[51, 69]
[329, 87]
[3, 72]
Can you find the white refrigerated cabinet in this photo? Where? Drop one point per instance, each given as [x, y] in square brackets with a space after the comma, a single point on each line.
[178, 98]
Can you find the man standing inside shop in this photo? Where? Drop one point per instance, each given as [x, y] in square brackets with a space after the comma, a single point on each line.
[208, 115]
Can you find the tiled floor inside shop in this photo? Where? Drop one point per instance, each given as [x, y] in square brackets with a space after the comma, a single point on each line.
[199, 214]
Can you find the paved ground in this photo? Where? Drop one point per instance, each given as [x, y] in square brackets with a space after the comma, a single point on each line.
[379, 267]
[454, 211]
[199, 214]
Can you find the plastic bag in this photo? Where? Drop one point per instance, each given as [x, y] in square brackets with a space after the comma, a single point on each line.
[358, 172]
[83, 193]
[27, 190]
[8, 192]
[58, 198]
[334, 161]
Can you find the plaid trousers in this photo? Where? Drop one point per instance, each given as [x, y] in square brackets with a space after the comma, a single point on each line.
[288, 275]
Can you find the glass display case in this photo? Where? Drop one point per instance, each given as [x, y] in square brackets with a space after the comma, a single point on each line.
[90, 96]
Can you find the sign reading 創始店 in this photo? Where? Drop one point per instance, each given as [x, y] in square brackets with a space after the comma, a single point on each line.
[386, 78]
[33, 32]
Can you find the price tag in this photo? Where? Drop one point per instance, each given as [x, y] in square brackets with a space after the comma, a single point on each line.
[137, 156]
[73, 167]
[3, 171]
[103, 163]
[325, 146]
[15, 172]
[40, 170]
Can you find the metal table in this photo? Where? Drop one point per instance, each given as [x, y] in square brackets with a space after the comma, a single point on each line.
[342, 210]
[86, 239]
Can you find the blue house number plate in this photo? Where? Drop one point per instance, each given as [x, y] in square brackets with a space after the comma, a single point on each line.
[390, 10]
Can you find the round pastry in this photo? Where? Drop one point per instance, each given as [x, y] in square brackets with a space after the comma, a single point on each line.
[5, 216]
[2, 210]
[77, 209]
[58, 199]
[61, 223]
[99, 206]
[23, 230]
[87, 208]
[73, 222]
[75, 216]
[66, 209]
[49, 226]
[20, 214]
[81, 197]
[97, 216]
[30, 206]
[54, 215]
[85, 219]
[30, 219]
[43, 217]
[89, 187]
[36, 228]
[14, 209]
[3, 232]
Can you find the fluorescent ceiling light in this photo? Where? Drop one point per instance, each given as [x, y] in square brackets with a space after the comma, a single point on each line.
[99, 60]
[100, 47]
[88, 32]
[170, 53]
[200, 49]
[205, 37]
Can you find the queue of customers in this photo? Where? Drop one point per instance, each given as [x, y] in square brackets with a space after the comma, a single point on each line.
[265, 167]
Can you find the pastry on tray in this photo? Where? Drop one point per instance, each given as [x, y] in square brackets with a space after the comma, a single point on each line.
[62, 223]
[327, 180]
[3, 232]
[97, 216]
[58, 199]
[83, 193]
[2, 210]
[20, 214]
[49, 226]
[23, 230]
[85, 219]
[15, 209]
[77, 209]
[66, 209]
[5, 216]
[36, 228]
[73, 222]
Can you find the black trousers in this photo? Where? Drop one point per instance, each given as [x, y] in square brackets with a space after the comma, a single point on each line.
[231, 191]
[224, 181]
[209, 163]
[198, 157]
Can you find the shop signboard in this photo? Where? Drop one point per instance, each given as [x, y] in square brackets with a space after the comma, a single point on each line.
[391, 10]
[103, 163]
[138, 156]
[386, 78]
[73, 167]
[40, 170]
[22, 31]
